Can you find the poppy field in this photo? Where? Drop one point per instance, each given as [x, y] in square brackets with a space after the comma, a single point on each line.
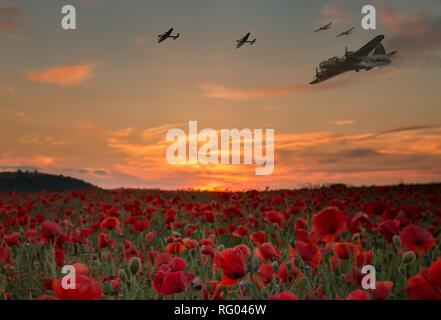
[310, 243]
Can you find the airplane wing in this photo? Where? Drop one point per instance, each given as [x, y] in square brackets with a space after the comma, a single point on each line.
[242, 41]
[161, 38]
[369, 47]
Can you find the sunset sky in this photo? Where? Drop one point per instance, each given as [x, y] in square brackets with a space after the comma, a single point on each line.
[96, 103]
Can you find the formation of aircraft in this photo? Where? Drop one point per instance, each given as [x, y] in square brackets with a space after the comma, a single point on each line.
[370, 56]
[346, 33]
[245, 39]
[328, 26]
[166, 35]
[355, 61]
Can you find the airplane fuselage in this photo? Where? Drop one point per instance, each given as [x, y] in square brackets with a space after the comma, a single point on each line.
[359, 63]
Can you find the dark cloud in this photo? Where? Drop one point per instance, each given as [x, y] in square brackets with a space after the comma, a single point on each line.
[22, 168]
[86, 171]
[10, 15]
[100, 172]
[414, 31]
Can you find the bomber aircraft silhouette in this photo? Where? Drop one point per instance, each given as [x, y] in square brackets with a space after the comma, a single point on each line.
[166, 35]
[355, 61]
[244, 40]
[328, 26]
[346, 33]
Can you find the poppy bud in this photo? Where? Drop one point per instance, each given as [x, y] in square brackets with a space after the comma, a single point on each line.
[134, 266]
[289, 266]
[209, 286]
[107, 287]
[224, 291]
[218, 274]
[409, 257]
[397, 241]
[275, 264]
[123, 275]
[356, 237]
[128, 273]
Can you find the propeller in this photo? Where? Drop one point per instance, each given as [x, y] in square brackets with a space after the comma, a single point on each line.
[346, 52]
[316, 72]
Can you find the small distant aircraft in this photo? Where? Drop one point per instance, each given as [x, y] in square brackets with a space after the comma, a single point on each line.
[244, 40]
[328, 26]
[346, 33]
[355, 61]
[167, 35]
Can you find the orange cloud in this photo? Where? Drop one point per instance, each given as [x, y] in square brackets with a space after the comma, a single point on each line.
[64, 76]
[414, 31]
[333, 12]
[411, 23]
[219, 92]
[343, 122]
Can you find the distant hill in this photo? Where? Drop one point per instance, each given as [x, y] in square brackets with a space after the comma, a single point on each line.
[36, 182]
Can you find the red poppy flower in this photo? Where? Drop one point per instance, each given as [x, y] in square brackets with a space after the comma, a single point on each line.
[233, 262]
[209, 251]
[434, 274]
[344, 250]
[382, 289]
[4, 253]
[285, 276]
[140, 226]
[375, 208]
[274, 217]
[13, 239]
[81, 269]
[109, 223]
[209, 216]
[266, 273]
[49, 229]
[329, 223]
[85, 289]
[175, 248]
[389, 228]
[359, 295]
[363, 258]
[190, 243]
[258, 238]
[175, 282]
[283, 296]
[416, 239]
[267, 252]
[105, 242]
[419, 288]
[309, 253]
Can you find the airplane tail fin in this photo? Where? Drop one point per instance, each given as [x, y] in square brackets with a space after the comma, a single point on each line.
[379, 49]
[176, 36]
[253, 42]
